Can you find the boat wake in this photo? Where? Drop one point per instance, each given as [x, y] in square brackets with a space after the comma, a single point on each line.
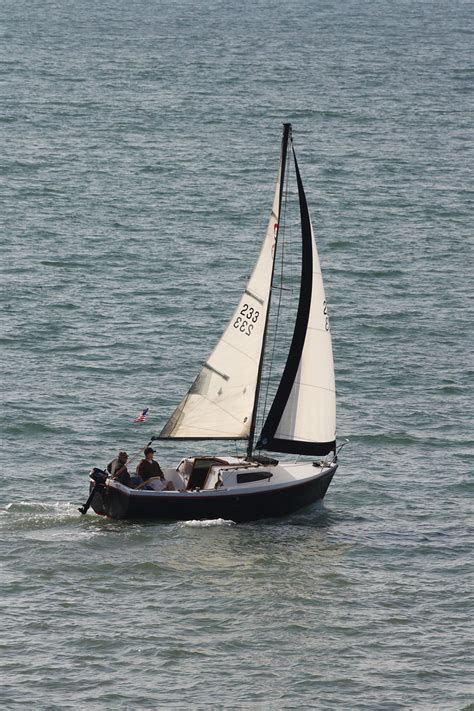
[30, 515]
[40, 507]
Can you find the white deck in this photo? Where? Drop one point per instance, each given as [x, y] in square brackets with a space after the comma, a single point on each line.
[222, 474]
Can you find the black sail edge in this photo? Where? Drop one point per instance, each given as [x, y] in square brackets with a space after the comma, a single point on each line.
[267, 439]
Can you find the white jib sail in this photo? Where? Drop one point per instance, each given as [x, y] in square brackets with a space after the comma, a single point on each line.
[310, 413]
[220, 402]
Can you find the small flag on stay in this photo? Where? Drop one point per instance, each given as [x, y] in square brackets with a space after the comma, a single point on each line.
[142, 415]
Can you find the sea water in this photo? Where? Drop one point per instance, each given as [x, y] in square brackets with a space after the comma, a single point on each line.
[139, 148]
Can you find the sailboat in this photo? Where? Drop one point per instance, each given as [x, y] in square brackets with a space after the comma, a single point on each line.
[223, 403]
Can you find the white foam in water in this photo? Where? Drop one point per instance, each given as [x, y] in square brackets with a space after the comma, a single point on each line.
[25, 506]
[207, 523]
[41, 507]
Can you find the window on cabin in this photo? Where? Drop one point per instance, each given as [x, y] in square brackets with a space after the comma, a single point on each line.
[247, 477]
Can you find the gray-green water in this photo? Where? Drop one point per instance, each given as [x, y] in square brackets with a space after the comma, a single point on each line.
[139, 145]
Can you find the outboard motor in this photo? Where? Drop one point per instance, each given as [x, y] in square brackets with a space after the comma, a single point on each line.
[98, 478]
[98, 475]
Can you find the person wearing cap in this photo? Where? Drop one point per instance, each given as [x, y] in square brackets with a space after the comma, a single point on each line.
[149, 469]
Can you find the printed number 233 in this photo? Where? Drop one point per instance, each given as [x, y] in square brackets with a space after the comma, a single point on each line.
[247, 317]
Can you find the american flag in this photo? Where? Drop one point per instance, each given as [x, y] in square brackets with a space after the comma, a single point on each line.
[142, 415]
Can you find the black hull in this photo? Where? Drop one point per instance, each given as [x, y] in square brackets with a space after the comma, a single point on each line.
[120, 504]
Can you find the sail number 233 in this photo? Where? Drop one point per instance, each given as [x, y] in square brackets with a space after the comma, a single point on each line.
[246, 319]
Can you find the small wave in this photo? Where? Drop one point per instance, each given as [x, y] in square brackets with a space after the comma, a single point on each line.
[32, 429]
[207, 523]
[403, 438]
[40, 506]
[34, 514]
[27, 506]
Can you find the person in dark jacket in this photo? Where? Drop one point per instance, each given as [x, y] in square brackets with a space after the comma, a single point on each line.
[148, 469]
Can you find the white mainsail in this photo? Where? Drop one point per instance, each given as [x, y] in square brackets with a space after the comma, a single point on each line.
[310, 412]
[220, 402]
[302, 417]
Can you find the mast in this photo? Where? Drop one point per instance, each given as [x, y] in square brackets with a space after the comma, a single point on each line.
[283, 155]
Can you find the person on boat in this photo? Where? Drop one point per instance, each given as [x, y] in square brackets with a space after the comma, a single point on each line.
[150, 469]
[117, 469]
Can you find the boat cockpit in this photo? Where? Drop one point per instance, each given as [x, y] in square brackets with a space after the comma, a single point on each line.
[205, 473]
